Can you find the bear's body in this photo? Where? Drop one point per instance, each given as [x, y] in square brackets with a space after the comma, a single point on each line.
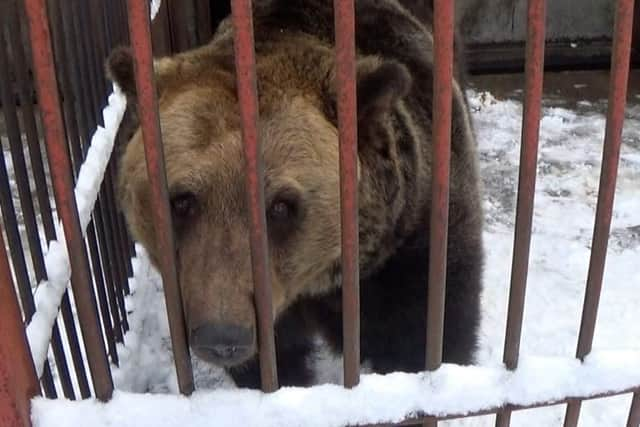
[295, 76]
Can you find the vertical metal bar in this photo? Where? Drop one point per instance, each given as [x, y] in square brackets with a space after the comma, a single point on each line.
[534, 74]
[150, 123]
[160, 32]
[254, 174]
[47, 88]
[103, 305]
[620, 58]
[18, 382]
[443, 30]
[344, 16]
[19, 262]
[109, 260]
[203, 20]
[181, 36]
[105, 215]
[80, 17]
[83, 50]
[76, 145]
[442, 105]
[78, 86]
[96, 23]
[634, 411]
[43, 194]
[21, 175]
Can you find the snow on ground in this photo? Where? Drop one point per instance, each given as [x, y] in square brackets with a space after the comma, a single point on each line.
[568, 173]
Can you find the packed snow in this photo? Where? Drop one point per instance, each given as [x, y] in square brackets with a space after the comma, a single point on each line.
[388, 398]
[49, 293]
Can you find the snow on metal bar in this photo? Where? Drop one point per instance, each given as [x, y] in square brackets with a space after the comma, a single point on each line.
[155, 7]
[49, 292]
[447, 392]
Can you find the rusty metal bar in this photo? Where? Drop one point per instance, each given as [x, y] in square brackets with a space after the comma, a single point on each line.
[254, 174]
[634, 411]
[77, 148]
[150, 123]
[618, 81]
[98, 52]
[74, 74]
[18, 382]
[55, 138]
[179, 12]
[80, 16]
[344, 15]
[19, 262]
[443, 23]
[103, 214]
[121, 247]
[443, 33]
[109, 259]
[534, 75]
[26, 201]
[73, 120]
[103, 305]
[81, 42]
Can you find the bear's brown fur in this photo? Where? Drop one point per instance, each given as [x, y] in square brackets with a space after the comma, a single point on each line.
[295, 66]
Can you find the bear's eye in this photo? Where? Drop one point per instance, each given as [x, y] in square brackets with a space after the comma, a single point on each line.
[283, 214]
[280, 211]
[183, 206]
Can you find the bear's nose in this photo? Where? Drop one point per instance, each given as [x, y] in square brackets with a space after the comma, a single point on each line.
[222, 344]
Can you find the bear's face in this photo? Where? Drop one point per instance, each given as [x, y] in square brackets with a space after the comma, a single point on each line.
[205, 167]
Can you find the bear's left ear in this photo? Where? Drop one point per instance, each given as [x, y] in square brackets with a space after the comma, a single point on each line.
[379, 86]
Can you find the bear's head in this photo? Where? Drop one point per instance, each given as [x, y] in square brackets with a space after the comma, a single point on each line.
[205, 165]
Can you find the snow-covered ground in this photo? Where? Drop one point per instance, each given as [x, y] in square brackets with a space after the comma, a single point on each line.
[568, 173]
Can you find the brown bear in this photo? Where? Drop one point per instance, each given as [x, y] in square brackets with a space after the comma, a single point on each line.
[298, 129]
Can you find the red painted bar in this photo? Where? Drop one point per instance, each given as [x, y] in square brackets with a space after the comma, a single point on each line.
[443, 26]
[18, 382]
[619, 78]
[140, 34]
[344, 14]
[242, 18]
[534, 76]
[60, 166]
[443, 34]
[634, 411]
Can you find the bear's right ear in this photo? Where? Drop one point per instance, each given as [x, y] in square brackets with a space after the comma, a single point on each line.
[120, 70]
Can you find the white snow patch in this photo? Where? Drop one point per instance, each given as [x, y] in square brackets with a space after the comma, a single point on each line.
[377, 399]
[49, 292]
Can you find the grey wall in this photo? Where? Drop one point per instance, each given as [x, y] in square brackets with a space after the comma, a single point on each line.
[488, 21]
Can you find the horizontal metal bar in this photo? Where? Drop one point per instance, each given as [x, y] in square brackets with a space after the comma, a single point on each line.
[423, 417]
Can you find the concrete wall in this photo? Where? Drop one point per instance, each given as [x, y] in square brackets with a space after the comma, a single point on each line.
[488, 21]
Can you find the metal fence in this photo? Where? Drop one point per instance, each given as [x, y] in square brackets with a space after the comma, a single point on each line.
[61, 61]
